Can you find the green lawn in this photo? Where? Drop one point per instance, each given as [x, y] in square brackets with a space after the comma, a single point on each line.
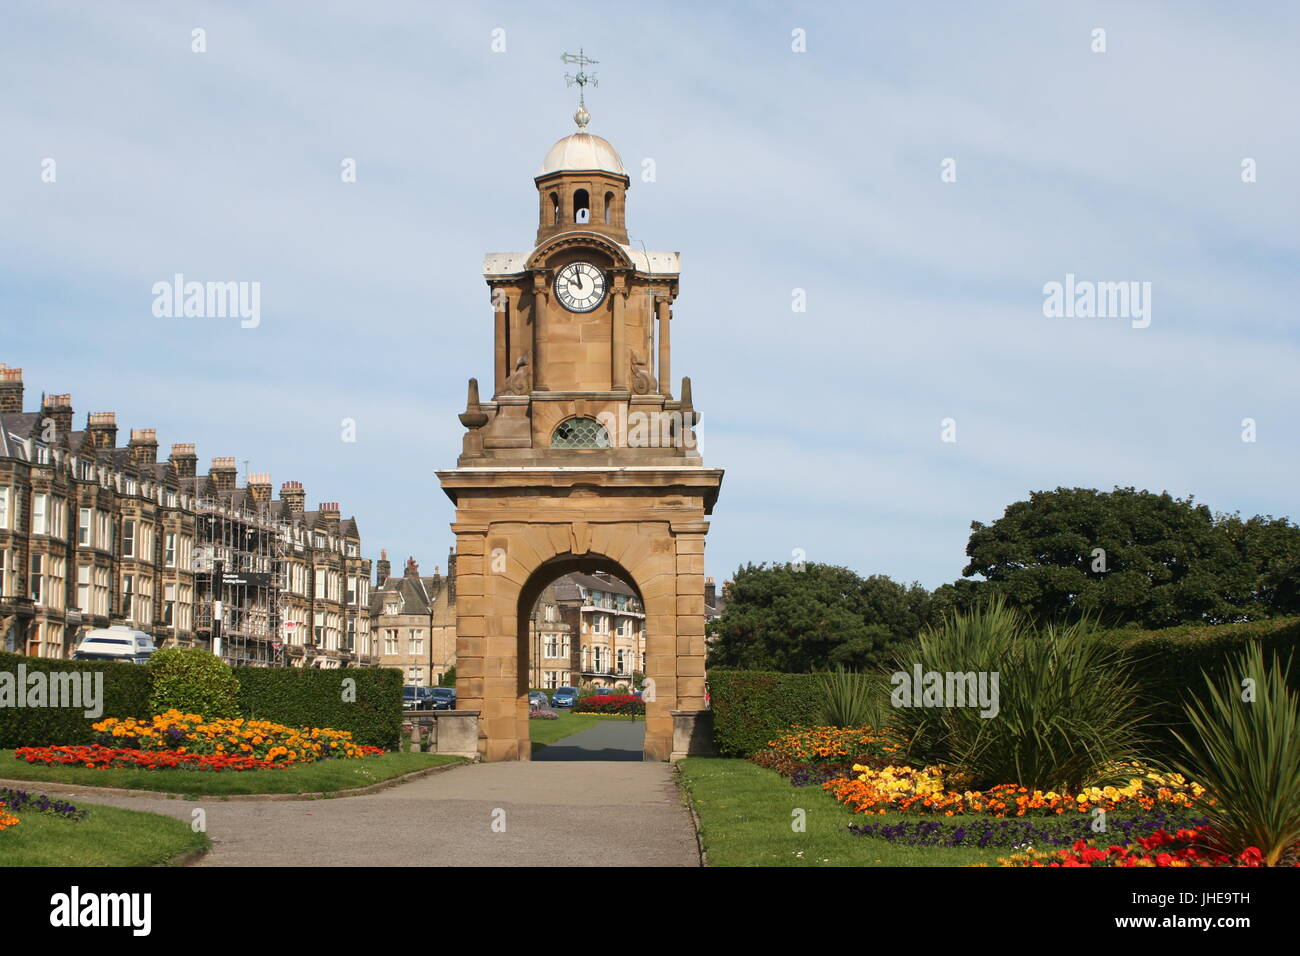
[746, 813]
[323, 776]
[545, 732]
[107, 837]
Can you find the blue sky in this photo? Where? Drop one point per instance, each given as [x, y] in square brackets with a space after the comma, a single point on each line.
[776, 170]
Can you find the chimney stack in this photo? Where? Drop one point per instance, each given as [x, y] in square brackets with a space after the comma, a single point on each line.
[102, 427]
[223, 474]
[11, 390]
[451, 574]
[59, 408]
[259, 487]
[291, 493]
[710, 593]
[184, 460]
[382, 569]
[412, 569]
[144, 446]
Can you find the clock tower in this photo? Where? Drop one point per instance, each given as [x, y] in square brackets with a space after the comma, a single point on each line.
[584, 459]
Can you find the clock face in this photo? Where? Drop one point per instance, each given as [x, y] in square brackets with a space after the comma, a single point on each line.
[580, 287]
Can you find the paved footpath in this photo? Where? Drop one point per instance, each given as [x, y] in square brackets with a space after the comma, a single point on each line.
[557, 812]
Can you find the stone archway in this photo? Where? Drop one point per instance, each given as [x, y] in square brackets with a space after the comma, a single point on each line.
[518, 529]
[547, 573]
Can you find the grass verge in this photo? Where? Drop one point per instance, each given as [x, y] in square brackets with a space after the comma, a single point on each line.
[543, 732]
[747, 815]
[107, 837]
[323, 776]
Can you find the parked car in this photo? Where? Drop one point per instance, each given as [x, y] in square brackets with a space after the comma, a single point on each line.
[538, 699]
[116, 643]
[442, 698]
[411, 698]
[564, 697]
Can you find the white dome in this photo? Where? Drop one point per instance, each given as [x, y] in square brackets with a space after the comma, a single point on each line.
[582, 151]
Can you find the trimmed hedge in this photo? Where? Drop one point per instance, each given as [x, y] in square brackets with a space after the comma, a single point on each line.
[126, 694]
[311, 697]
[1167, 665]
[297, 697]
[752, 707]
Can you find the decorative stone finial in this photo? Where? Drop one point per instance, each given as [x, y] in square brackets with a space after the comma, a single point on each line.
[582, 118]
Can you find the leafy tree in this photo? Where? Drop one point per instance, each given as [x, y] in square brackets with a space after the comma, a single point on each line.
[800, 619]
[1271, 548]
[1162, 560]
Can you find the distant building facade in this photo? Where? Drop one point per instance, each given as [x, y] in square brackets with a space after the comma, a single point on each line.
[607, 624]
[550, 643]
[413, 621]
[93, 534]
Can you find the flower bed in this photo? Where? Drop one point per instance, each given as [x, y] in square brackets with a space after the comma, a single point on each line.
[262, 740]
[1057, 832]
[628, 704]
[536, 714]
[1188, 847]
[176, 741]
[12, 801]
[96, 757]
[814, 755]
[931, 790]
[18, 800]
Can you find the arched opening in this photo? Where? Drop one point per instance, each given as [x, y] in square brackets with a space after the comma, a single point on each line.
[609, 208]
[555, 204]
[581, 206]
[582, 650]
[580, 433]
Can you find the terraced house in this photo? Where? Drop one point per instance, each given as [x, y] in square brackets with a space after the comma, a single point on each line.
[414, 620]
[93, 534]
[608, 623]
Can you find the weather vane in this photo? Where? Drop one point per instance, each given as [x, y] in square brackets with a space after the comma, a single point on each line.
[582, 77]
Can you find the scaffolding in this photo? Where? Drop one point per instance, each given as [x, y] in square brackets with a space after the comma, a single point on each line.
[250, 545]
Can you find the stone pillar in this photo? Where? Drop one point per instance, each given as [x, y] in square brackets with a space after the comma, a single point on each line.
[541, 331]
[690, 615]
[618, 350]
[665, 374]
[503, 309]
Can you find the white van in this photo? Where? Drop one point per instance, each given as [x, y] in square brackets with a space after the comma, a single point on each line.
[116, 643]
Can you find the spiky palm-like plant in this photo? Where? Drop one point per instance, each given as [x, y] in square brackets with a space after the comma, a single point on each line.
[852, 699]
[1244, 748]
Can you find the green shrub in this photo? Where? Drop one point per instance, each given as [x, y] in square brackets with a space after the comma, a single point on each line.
[126, 694]
[853, 699]
[752, 707]
[1246, 753]
[370, 707]
[1168, 667]
[1065, 704]
[193, 681]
